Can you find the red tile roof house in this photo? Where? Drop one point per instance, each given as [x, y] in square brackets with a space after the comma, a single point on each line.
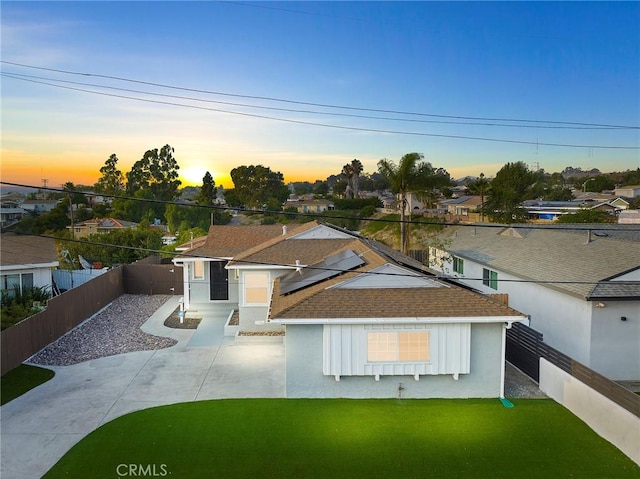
[361, 320]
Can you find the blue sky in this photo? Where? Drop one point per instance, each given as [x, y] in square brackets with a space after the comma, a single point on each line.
[552, 63]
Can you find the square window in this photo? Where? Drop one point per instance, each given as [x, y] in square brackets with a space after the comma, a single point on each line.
[398, 346]
[490, 278]
[458, 265]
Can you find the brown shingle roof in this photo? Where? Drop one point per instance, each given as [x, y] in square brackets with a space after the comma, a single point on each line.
[318, 302]
[25, 249]
[230, 240]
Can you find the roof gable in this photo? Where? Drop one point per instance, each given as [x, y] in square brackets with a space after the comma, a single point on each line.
[322, 232]
[389, 276]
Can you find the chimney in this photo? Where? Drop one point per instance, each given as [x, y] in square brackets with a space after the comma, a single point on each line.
[284, 230]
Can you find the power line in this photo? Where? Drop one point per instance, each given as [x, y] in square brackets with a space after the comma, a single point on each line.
[568, 227]
[324, 105]
[342, 127]
[45, 80]
[338, 270]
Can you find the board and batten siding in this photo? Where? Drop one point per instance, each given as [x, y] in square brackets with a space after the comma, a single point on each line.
[345, 350]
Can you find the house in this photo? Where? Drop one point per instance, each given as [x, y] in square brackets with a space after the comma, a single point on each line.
[99, 226]
[38, 207]
[631, 191]
[580, 286]
[551, 210]
[361, 320]
[26, 262]
[310, 206]
[11, 212]
[461, 206]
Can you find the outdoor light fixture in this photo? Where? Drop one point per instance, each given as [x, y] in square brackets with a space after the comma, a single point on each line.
[623, 318]
[600, 305]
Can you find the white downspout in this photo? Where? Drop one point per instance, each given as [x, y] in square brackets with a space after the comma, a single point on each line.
[504, 328]
[185, 279]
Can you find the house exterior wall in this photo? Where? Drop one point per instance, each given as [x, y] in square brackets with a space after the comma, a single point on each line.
[199, 291]
[564, 320]
[253, 317]
[42, 277]
[305, 378]
[615, 344]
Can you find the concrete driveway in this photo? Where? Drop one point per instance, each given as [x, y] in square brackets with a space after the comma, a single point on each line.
[38, 428]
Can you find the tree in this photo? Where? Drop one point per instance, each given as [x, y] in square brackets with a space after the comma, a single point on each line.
[411, 174]
[255, 185]
[596, 184]
[112, 180]
[356, 169]
[347, 172]
[509, 189]
[208, 191]
[585, 216]
[156, 171]
[480, 186]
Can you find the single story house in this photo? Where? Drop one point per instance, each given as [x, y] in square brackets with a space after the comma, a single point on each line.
[38, 207]
[360, 320]
[310, 206]
[579, 285]
[26, 262]
[461, 206]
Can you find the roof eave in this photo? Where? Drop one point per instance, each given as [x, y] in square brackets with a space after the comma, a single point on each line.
[401, 320]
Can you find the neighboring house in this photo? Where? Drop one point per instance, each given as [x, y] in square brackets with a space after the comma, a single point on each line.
[26, 262]
[461, 206]
[632, 191]
[629, 217]
[39, 207]
[580, 288]
[310, 206]
[99, 226]
[361, 320]
[11, 212]
[551, 210]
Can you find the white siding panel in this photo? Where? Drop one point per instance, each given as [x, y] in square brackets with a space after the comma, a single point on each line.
[345, 350]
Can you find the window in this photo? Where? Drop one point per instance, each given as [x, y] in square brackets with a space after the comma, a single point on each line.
[256, 288]
[393, 346]
[13, 282]
[198, 270]
[458, 265]
[490, 278]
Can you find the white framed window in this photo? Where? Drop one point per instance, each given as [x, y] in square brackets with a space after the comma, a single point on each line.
[198, 270]
[256, 287]
[398, 346]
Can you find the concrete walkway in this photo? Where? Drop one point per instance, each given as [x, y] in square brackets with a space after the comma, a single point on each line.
[38, 428]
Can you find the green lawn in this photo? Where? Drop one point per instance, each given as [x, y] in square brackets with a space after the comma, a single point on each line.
[22, 379]
[348, 438]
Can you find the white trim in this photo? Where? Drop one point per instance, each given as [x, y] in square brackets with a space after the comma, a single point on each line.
[456, 319]
[30, 266]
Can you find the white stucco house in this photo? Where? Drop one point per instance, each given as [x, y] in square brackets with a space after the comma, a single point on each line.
[578, 284]
[26, 262]
[360, 320]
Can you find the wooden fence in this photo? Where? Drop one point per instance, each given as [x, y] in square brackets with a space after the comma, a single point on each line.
[66, 311]
[525, 347]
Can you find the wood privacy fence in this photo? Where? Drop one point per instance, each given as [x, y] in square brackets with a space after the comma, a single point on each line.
[525, 347]
[66, 311]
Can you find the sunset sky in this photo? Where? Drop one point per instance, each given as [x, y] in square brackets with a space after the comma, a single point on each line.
[305, 87]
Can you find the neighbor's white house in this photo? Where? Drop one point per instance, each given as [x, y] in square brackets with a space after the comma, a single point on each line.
[360, 320]
[27, 262]
[580, 288]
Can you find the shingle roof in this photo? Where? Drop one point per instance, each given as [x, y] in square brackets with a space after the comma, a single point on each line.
[550, 254]
[16, 250]
[318, 302]
[228, 241]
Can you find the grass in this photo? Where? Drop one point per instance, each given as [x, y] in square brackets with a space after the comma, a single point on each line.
[344, 438]
[22, 379]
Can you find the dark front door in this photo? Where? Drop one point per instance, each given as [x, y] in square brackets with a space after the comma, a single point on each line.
[219, 276]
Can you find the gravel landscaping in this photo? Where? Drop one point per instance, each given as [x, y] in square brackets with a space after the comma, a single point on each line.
[114, 330]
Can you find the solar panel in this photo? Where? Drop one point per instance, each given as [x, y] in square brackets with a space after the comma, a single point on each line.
[328, 268]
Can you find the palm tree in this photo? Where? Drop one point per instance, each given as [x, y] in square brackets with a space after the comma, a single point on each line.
[480, 185]
[356, 169]
[347, 172]
[403, 177]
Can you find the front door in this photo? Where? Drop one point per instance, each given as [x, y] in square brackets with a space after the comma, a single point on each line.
[219, 276]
